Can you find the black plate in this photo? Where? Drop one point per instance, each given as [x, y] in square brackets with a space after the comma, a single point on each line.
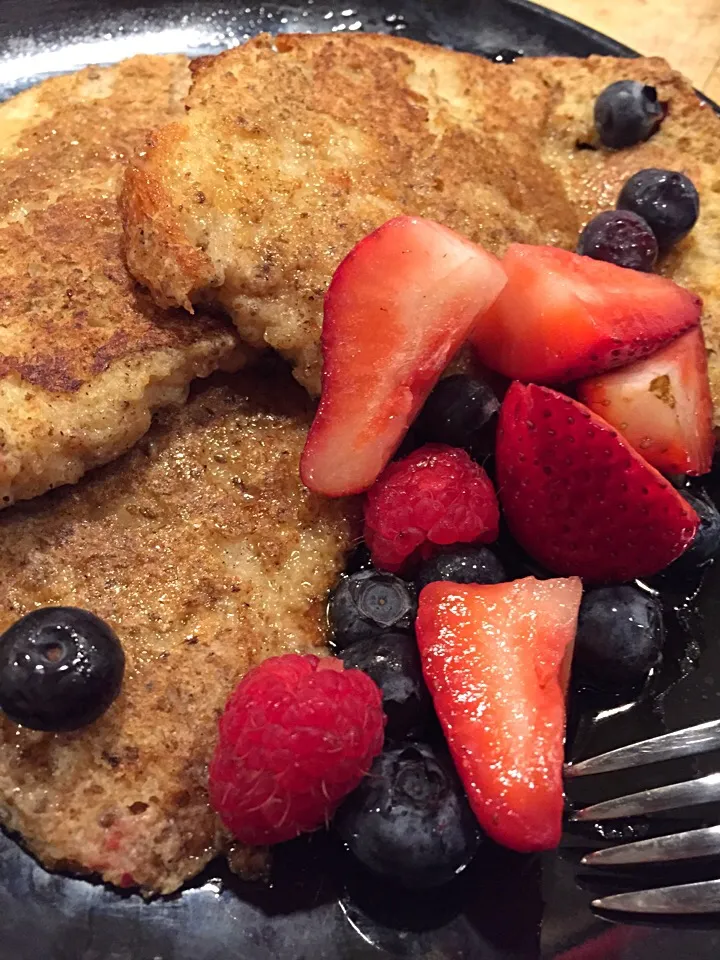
[506, 907]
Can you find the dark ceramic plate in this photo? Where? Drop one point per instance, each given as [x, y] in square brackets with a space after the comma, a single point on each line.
[506, 907]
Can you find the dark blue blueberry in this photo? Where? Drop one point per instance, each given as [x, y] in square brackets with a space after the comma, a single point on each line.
[409, 820]
[368, 603]
[706, 544]
[665, 199]
[463, 565]
[619, 639]
[60, 669]
[459, 411]
[620, 237]
[627, 112]
[393, 662]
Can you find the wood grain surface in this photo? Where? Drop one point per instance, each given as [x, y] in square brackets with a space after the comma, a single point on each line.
[685, 32]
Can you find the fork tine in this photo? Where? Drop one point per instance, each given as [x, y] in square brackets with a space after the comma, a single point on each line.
[688, 898]
[689, 793]
[688, 845]
[692, 740]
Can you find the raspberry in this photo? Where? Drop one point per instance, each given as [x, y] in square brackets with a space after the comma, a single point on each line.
[435, 496]
[296, 736]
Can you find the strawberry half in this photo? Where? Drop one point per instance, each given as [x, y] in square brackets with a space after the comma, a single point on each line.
[577, 496]
[496, 660]
[399, 306]
[563, 316]
[661, 405]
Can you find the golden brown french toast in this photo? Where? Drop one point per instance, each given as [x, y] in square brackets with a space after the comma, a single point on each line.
[292, 148]
[85, 355]
[205, 553]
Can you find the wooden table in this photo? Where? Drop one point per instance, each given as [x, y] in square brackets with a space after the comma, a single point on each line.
[685, 32]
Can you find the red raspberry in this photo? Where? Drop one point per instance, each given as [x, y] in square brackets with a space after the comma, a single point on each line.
[296, 736]
[437, 495]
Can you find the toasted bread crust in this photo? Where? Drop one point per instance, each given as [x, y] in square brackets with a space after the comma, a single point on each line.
[85, 354]
[151, 220]
[293, 148]
[206, 554]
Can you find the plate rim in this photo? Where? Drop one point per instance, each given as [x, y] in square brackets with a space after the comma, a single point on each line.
[595, 36]
[577, 26]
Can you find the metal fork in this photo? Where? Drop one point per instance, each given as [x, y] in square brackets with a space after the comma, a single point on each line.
[688, 898]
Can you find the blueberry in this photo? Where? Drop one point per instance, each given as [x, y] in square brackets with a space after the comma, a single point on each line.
[464, 565]
[620, 237]
[393, 662]
[60, 669]
[665, 199]
[706, 544]
[626, 113]
[458, 412]
[619, 638]
[409, 820]
[368, 603]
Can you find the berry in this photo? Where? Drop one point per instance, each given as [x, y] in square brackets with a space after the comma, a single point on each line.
[619, 237]
[458, 411]
[562, 317]
[619, 639]
[706, 543]
[436, 496]
[627, 112]
[496, 659]
[398, 308]
[409, 820]
[60, 669]
[578, 498]
[661, 405]
[296, 736]
[393, 662]
[665, 199]
[465, 565]
[368, 603]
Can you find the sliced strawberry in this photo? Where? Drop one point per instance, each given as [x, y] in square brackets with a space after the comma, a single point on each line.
[661, 405]
[563, 316]
[577, 496]
[495, 659]
[399, 306]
